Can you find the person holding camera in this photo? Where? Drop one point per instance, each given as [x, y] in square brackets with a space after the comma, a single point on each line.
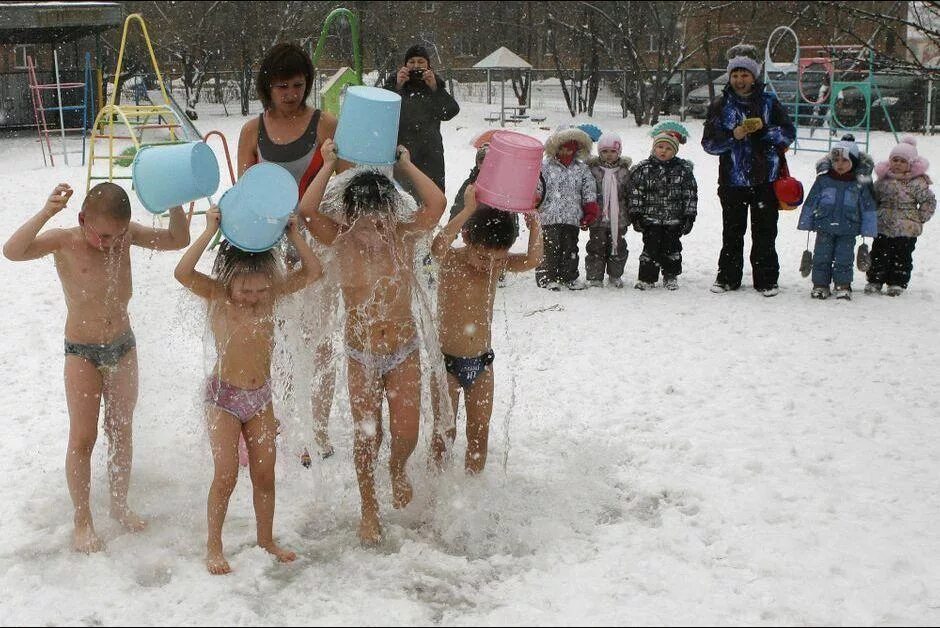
[425, 103]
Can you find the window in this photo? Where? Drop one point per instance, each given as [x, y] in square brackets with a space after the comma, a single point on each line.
[465, 46]
[20, 53]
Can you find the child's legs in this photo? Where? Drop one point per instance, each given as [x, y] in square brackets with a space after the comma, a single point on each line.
[403, 392]
[224, 430]
[548, 270]
[597, 249]
[324, 383]
[902, 261]
[260, 433]
[120, 398]
[880, 259]
[617, 255]
[445, 429]
[823, 251]
[479, 404]
[83, 386]
[570, 254]
[671, 252]
[365, 403]
[652, 252]
[843, 259]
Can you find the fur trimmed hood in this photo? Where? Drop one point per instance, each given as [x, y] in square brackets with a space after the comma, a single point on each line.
[919, 166]
[623, 162]
[563, 136]
[863, 171]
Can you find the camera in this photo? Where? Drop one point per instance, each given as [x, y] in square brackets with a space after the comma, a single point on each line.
[416, 74]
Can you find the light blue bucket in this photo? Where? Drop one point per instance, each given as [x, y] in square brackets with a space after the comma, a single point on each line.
[174, 174]
[367, 132]
[256, 210]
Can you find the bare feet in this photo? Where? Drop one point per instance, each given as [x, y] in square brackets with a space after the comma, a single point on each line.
[85, 540]
[370, 530]
[283, 555]
[216, 563]
[130, 520]
[401, 491]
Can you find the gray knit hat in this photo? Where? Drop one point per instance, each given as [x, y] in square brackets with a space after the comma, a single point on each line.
[743, 57]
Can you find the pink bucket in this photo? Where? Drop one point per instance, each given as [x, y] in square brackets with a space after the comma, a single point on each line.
[510, 172]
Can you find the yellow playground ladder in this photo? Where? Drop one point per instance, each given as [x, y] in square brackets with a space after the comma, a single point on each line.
[135, 118]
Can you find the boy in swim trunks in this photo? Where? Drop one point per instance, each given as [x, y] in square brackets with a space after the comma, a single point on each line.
[94, 266]
[467, 283]
[374, 229]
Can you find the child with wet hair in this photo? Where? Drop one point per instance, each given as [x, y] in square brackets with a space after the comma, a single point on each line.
[374, 229]
[94, 266]
[468, 278]
[241, 293]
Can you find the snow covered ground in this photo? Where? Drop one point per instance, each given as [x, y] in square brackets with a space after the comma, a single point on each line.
[670, 458]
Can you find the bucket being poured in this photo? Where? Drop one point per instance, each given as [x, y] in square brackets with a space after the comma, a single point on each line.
[367, 132]
[510, 172]
[174, 174]
[256, 210]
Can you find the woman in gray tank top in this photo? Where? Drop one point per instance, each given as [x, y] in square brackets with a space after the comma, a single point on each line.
[289, 133]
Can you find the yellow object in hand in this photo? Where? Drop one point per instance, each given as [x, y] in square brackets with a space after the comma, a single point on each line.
[753, 124]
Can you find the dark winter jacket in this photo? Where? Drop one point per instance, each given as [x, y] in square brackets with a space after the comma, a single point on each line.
[662, 192]
[419, 128]
[840, 208]
[754, 160]
[623, 187]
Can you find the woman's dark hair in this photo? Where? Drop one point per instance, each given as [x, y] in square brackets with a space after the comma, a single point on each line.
[283, 61]
[490, 228]
[231, 262]
[368, 191]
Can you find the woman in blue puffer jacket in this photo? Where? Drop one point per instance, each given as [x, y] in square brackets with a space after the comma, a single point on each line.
[749, 129]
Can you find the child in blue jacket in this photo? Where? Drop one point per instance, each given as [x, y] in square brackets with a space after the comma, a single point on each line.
[839, 208]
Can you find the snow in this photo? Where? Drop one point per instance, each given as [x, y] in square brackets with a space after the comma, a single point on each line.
[667, 458]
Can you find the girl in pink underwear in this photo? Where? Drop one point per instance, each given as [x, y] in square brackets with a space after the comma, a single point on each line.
[241, 293]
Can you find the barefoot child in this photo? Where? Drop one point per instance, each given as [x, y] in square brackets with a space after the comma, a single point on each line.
[374, 232]
[94, 265]
[241, 295]
[468, 279]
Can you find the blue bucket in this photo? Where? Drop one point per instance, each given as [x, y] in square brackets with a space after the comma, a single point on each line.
[174, 174]
[367, 132]
[256, 210]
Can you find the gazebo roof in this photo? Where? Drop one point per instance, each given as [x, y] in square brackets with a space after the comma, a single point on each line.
[48, 22]
[503, 59]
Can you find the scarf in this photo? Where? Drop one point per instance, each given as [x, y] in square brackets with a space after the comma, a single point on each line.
[611, 201]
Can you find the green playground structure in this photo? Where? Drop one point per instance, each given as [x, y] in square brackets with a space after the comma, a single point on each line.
[334, 88]
[833, 71]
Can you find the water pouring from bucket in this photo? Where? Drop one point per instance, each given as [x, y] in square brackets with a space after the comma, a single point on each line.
[256, 210]
[367, 133]
[174, 174]
[510, 172]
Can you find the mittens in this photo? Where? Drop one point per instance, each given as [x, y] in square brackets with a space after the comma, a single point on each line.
[806, 263]
[589, 214]
[863, 258]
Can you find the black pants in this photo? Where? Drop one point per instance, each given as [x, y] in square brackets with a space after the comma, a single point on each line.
[892, 260]
[560, 261]
[735, 201]
[601, 255]
[661, 251]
